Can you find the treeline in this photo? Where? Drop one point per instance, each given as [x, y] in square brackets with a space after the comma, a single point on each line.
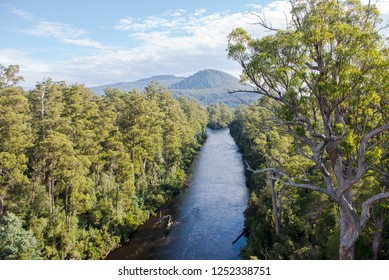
[219, 115]
[211, 96]
[80, 172]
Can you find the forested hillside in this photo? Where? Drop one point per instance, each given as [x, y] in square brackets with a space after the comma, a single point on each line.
[317, 143]
[206, 86]
[80, 172]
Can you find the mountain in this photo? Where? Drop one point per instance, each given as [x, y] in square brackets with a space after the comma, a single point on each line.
[163, 80]
[213, 86]
[206, 86]
[208, 79]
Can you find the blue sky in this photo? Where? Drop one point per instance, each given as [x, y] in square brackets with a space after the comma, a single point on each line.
[101, 42]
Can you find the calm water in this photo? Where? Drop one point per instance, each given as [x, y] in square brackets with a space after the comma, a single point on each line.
[207, 217]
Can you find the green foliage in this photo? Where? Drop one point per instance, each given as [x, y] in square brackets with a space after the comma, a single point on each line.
[16, 243]
[15, 139]
[211, 96]
[219, 115]
[9, 76]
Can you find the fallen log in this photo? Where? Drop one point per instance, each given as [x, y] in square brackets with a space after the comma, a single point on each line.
[242, 232]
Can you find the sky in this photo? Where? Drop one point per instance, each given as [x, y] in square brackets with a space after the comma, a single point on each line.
[102, 42]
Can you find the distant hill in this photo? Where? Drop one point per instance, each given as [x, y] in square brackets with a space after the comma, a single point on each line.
[213, 86]
[206, 86]
[163, 80]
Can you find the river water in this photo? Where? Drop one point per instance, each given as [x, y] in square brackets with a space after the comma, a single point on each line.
[207, 217]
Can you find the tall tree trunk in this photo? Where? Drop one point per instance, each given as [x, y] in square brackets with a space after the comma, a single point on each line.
[96, 175]
[33, 189]
[43, 92]
[1, 207]
[67, 207]
[349, 231]
[51, 194]
[275, 208]
[377, 235]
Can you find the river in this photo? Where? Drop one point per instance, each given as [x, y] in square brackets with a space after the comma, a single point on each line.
[207, 216]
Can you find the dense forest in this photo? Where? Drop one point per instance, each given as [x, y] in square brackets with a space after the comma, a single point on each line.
[316, 144]
[219, 115]
[80, 172]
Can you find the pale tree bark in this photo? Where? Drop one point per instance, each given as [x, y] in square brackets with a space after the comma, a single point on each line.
[349, 226]
[50, 186]
[42, 103]
[349, 233]
[1, 207]
[275, 207]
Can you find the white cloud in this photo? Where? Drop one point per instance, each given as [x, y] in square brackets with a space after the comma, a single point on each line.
[189, 23]
[65, 33]
[199, 12]
[174, 13]
[25, 15]
[54, 29]
[254, 6]
[22, 14]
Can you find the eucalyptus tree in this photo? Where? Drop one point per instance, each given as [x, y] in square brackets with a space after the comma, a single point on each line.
[15, 135]
[16, 243]
[327, 72]
[9, 76]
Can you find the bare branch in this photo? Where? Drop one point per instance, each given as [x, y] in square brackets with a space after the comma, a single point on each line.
[260, 90]
[383, 27]
[307, 124]
[312, 67]
[365, 214]
[384, 173]
[361, 158]
[289, 181]
[262, 22]
[318, 149]
[243, 91]
[301, 152]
